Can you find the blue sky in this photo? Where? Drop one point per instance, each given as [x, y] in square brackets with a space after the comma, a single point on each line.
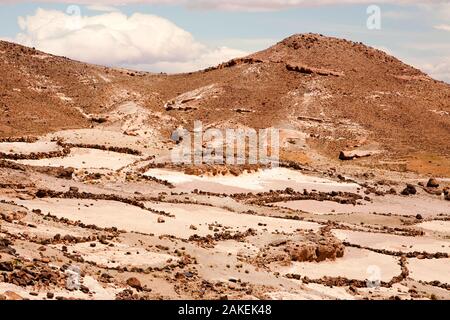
[176, 37]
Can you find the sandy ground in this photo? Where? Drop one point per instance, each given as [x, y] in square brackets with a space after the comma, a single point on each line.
[128, 223]
[27, 148]
[356, 264]
[264, 180]
[154, 238]
[86, 158]
[388, 204]
[393, 242]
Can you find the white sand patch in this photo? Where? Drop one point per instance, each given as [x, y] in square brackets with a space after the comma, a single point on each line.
[385, 293]
[120, 255]
[43, 231]
[331, 293]
[317, 207]
[126, 217]
[105, 214]
[201, 216]
[96, 291]
[104, 78]
[41, 56]
[81, 158]
[435, 225]
[430, 269]
[134, 119]
[189, 98]
[63, 97]
[356, 264]
[393, 242]
[27, 148]
[312, 291]
[264, 180]
[99, 136]
[387, 204]
[236, 248]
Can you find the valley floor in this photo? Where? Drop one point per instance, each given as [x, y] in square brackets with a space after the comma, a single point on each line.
[98, 214]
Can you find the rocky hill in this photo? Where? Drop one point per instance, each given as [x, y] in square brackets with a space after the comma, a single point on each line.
[336, 94]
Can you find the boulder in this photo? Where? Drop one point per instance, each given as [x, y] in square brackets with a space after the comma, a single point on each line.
[134, 283]
[350, 155]
[409, 190]
[432, 183]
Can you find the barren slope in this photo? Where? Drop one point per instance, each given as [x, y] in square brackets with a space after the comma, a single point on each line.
[335, 93]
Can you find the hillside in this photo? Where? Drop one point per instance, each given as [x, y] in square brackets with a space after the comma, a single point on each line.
[335, 93]
[92, 205]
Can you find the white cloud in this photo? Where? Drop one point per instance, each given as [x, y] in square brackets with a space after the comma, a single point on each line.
[206, 59]
[118, 40]
[245, 5]
[438, 70]
[444, 27]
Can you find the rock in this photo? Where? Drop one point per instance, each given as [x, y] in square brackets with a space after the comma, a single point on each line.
[330, 250]
[84, 289]
[317, 248]
[73, 189]
[289, 191]
[432, 183]
[419, 217]
[50, 295]
[134, 283]
[305, 252]
[409, 190]
[41, 193]
[161, 220]
[310, 70]
[350, 155]
[6, 266]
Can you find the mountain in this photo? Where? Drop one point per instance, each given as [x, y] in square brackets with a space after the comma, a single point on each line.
[334, 93]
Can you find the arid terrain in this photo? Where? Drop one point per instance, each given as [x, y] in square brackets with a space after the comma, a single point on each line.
[92, 207]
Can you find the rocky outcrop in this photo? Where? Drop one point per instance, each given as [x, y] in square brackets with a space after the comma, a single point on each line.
[355, 154]
[309, 70]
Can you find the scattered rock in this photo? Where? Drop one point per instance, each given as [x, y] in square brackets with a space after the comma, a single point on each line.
[134, 283]
[432, 183]
[161, 220]
[6, 266]
[350, 155]
[409, 190]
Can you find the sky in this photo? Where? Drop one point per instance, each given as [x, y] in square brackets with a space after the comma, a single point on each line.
[181, 35]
